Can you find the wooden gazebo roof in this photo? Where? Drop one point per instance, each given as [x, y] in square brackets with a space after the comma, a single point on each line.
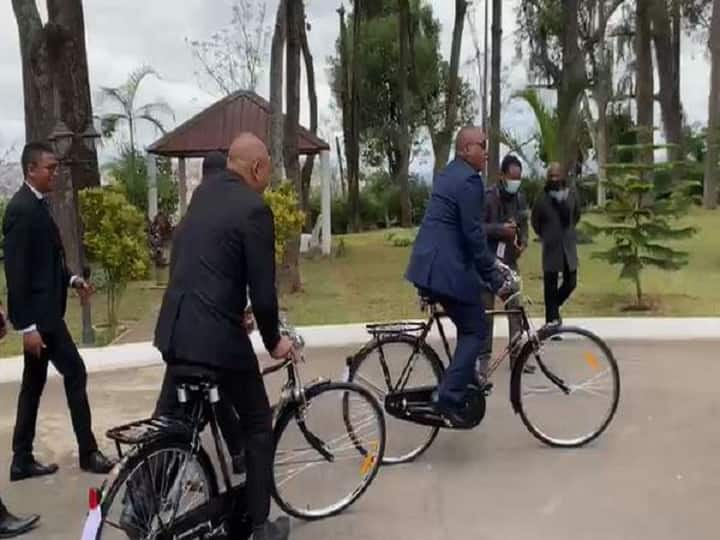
[215, 127]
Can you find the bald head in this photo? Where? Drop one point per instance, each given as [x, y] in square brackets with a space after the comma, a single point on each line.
[249, 158]
[555, 172]
[471, 146]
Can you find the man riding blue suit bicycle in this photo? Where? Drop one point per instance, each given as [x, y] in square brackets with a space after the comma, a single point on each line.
[452, 264]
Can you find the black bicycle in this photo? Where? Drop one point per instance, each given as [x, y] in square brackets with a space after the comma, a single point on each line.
[565, 383]
[329, 444]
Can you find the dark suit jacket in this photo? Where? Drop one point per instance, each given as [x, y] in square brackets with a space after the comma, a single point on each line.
[224, 244]
[501, 207]
[559, 244]
[35, 269]
[450, 256]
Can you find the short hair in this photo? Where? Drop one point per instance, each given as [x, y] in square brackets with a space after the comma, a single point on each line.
[509, 161]
[214, 162]
[31, 154]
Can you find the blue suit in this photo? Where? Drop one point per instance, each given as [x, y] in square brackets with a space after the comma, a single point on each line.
[452, 262]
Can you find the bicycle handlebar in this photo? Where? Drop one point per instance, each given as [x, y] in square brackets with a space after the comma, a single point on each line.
[289, 331]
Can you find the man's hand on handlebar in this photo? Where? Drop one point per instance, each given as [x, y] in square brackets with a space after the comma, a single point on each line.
[284, 349]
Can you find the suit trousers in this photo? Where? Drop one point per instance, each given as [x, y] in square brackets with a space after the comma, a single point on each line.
[469, 320]
[244, 390]
[556, 296]
[227, 418]
[62, 352]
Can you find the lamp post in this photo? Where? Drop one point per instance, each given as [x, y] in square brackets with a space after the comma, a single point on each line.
[64, 141]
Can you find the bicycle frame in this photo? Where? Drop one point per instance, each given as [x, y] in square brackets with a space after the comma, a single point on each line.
[516, 342]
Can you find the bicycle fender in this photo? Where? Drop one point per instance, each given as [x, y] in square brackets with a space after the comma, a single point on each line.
[525, 352]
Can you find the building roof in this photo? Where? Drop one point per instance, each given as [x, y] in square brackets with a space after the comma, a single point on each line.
[215, 127]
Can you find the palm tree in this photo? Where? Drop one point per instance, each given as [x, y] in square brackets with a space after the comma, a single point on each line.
[124, 97]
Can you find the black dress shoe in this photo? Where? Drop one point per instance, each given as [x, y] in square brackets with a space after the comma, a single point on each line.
[273, 530]
[12, 526]
[96, 463]
[23, 468]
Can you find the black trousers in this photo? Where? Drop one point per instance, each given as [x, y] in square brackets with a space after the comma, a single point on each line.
[556, 296]
[227, 417]
[245, 392]
[63, 354]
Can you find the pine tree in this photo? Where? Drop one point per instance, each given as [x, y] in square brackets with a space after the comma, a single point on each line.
[643, 219]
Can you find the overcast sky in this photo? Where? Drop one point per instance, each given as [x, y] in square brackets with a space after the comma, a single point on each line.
[124, 34]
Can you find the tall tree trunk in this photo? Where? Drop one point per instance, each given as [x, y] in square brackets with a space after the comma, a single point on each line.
[572, 85]
[443, 139]
[56, 87]
[644, 80]
[404, 135]
[495, 97]
[276, 93]
[353, 155]
[669, 75]
[712, 176]
[309, 164]
[352, 194]
[290, 268]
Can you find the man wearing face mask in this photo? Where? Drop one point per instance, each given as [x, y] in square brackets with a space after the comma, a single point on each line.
[451, 261]
[506, 227]
[555, 215]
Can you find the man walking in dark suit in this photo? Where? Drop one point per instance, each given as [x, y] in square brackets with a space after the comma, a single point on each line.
[11, 525]
[225, 247]
[37, 283]
[451, 262]
[555, 215]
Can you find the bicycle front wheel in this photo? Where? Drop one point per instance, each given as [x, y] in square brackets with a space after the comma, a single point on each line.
[573, 394]
[154, 489]
[327, 450]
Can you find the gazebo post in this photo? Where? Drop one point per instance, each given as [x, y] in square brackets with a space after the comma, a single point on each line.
[182, 187]
[326, 203]
[152, 187]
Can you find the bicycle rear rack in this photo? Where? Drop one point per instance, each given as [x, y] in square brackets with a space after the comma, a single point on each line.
[379, 330]
[142, 432]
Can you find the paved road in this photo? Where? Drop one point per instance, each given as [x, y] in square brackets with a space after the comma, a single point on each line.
[655, 474]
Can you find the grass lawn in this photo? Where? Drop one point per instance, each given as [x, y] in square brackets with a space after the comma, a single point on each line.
[140, 299]
[366, 284]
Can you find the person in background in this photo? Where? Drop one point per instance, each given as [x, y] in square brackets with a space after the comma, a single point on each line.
[37, 283]
[506, 227]
[555, 215]
[11, 525]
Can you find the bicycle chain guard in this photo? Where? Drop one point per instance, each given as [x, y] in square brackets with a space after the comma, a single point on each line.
[416, 405]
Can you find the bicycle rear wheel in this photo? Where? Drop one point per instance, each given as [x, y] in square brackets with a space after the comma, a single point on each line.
[328, 451]
[155, 488]
[573, 395]
[379, 368]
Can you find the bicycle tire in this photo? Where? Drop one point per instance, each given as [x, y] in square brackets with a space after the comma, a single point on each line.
[290, 412]
[135, 459]
[544, 335]
[437, 368]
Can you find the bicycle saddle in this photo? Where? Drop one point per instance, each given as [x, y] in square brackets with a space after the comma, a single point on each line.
[194, 374]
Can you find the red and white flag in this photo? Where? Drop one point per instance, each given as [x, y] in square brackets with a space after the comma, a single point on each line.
[94, 517]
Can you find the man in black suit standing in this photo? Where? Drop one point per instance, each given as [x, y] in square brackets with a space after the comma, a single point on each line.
[37, 283]
[11, 525]
[225, 247]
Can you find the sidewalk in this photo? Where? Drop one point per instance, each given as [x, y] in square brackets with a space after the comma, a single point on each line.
[610, 329]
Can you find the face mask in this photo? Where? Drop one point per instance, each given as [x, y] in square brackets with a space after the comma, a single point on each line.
[512, 186]
[559, 195]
